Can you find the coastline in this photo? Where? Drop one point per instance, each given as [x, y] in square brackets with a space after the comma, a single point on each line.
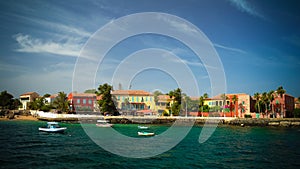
[19, 118]
[223, 121]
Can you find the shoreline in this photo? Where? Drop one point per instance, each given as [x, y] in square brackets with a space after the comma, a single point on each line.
[19, 118]
[222, 121]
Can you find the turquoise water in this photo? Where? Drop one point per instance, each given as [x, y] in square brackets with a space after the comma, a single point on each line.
[22, 146]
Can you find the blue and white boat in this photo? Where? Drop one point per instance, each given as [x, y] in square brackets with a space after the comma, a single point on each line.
[52, 127]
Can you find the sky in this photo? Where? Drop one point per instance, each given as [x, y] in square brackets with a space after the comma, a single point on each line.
[50, 46]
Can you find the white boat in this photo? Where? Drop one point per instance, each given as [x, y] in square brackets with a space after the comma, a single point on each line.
[143, 127]
[103, 123]
[52, 127]
[144, 133]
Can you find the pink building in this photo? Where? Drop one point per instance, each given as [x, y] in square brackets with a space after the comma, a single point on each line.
[82, 101]
[283, 106]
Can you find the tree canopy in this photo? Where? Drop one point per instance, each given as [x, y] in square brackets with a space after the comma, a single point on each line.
[61, 102]
[106, 103]
[7, 101]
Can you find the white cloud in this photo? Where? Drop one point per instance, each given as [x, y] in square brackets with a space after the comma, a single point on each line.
[29, 44]
[229, 48]
[246, 7]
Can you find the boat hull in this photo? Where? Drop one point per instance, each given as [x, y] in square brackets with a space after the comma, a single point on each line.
[145, 134]
[53, 130]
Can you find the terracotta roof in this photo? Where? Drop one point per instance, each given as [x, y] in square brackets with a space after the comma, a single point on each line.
[131, 92]
[82, 95]
[163, 97]
[218, 97]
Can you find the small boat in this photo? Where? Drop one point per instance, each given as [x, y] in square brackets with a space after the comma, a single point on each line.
[143, 127]
[144, 133]
[103, 123]
[52, 127]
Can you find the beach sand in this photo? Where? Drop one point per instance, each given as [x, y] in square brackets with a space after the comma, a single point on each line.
[19, 117]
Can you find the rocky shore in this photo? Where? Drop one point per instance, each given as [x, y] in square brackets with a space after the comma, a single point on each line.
[280, 122]
[275, 122]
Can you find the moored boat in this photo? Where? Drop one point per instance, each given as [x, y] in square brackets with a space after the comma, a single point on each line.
[143, 127]
[144, 133]
[103, 123]
[52, 127]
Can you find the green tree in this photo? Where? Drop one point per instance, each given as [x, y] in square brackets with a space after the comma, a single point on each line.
[93, 91]
[270, 97]
[37, 104]
[280, 91]
[61, 102]
[257, 104]
[5, 100]
[235, 101]
[106, 104]
[176, 106]
[156, 94]
[201, 102]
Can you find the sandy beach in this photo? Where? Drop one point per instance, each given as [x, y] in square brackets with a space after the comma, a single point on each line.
[20, 117]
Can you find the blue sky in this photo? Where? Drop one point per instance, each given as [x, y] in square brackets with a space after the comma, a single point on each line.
[257, 41]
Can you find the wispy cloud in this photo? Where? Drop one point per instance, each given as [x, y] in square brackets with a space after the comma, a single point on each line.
[230, 48]
[29, 44]
[245, 6]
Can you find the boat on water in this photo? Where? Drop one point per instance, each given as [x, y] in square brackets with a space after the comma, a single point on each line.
[103, 123]
[52, 127]
[143, 127]
[145, 133]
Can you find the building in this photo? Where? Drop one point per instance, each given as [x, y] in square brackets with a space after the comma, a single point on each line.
[163, 104]
[297, 103]
[25, 98]
[82, 102]
[133, 100]
[284, 105]
[234, 105]
[49, 100]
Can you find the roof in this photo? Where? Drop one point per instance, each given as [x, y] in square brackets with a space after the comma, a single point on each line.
[131, 92]
[218, 97]
[81, 95]
[163, 97]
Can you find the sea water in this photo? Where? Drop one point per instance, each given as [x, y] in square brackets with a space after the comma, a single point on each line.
[23, 146]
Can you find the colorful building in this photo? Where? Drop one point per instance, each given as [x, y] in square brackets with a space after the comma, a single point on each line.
[283, 105]
[133, 100]
[163, 104]
[82, 102]
[25, 98]
[235, 105]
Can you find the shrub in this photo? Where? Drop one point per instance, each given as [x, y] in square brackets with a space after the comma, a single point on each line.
[248, 116]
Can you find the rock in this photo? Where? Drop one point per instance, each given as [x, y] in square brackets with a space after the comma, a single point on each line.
[285, 123]
[273, 123]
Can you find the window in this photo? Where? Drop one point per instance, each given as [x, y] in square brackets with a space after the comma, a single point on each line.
[118, 97]
[146, 99]
[78, 101]
[132, 99]
[90, 101]
[84, 101]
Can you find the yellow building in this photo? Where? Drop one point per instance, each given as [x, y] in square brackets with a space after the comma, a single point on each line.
[163, 104]
[134, 100]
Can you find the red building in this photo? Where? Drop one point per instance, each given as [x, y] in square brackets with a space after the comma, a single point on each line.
[284, 105]
[83, 101]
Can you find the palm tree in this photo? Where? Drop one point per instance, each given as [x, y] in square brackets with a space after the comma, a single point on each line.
[223, 97]
[61, 102]
[270, 97]
[264, 100]
[235, 100]
[257, 104]
[201, 101]
[280, 91]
